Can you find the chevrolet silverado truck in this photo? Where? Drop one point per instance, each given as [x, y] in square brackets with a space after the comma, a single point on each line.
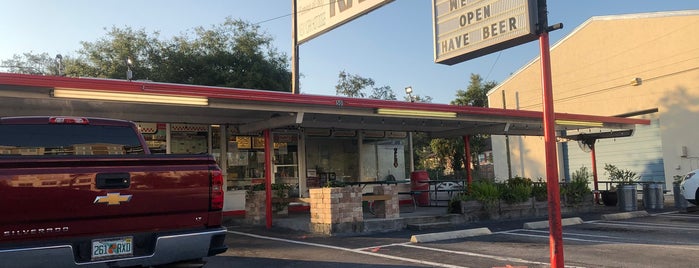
[86, 192]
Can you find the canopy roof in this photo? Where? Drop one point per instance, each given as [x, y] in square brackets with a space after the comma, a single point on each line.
[254, 110]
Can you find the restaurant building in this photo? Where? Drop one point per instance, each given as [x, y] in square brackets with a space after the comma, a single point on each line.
[313, 139]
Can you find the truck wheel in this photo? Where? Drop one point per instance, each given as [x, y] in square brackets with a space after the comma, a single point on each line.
[197, 263]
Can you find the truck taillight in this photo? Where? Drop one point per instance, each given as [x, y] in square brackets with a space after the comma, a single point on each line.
[69, 120]
[216, 190]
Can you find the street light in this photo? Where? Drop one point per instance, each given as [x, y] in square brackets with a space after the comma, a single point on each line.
[61, 67]
[129, 74]
[409, 91]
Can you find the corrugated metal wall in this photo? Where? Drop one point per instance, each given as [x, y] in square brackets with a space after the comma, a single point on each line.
[641, 153]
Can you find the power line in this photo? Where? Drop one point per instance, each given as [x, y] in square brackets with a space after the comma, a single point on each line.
[605, 60]
[493, 66]
[569, 98]
[297, 12]
[534, 98]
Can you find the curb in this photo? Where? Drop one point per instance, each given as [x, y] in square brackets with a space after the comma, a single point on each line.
[545, 224]
[625, 215]
[432, 237]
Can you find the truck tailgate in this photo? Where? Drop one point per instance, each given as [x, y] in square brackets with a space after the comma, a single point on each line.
[48, 197]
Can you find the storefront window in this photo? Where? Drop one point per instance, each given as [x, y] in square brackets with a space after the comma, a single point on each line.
[246, 161]
[189, 139]
[329, 158]
[384, 159]
[155, 135]
[286, 165]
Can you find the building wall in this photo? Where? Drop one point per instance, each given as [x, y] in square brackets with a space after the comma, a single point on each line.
[593, 69]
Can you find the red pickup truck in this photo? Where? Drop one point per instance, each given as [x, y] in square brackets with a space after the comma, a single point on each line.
[87, 192]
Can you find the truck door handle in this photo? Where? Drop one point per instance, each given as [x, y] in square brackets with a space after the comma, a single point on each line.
[113, 180]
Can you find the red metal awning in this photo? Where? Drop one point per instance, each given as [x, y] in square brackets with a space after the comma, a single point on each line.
[256, 110]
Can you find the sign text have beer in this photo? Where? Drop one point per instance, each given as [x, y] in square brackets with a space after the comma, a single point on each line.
[466, 29]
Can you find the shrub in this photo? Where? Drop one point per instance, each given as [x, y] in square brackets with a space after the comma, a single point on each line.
[620, 176]
[540, 190]
[515, 193]
[516, 190]
[578, 187]
[486, 192]
[519, 181]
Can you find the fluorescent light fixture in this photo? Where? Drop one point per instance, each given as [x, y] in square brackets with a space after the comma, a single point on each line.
[579, 123]
[128, 97]
[420, 113]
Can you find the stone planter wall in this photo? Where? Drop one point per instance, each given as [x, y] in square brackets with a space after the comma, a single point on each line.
[388, 209]
[474, 210]
[541, 208]
[517, 210]
[255, 207]
[336, 210]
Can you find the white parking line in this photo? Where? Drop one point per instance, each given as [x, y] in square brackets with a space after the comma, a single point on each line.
[614, 239]
[677, 216]
[383, 246]
[434, 264]
[564, 238]
[574, 234]
[473, 254]
[646, 225]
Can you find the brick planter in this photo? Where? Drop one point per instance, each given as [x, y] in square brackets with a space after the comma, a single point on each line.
[388, 209]
[336, 210]
[256, 207]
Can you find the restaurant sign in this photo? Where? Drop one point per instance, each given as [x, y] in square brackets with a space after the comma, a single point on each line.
[315, 17]
[467, 29]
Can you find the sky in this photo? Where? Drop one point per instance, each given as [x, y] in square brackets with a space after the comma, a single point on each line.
[393, 45]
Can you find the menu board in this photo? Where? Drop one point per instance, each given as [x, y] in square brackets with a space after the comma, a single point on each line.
[244, 142]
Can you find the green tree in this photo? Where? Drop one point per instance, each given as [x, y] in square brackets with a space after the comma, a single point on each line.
[383, 93]
[352, 85]
[234, 53]
[451, 151]
[107, 57]
[419, 98]
[475, 95]
[31, 63]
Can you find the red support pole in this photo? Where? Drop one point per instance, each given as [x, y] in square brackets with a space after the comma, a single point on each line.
[467, 162]
[554, 196]
[268, 178]
[594, 171]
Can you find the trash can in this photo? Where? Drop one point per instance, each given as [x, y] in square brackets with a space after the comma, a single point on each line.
[653, 197]
[418, 182]
[680, 202]
[626, 195]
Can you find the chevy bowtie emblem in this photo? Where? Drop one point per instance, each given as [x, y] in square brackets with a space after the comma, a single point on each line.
[112, 199]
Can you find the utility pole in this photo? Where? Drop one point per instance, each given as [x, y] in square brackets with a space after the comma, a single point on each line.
[507, 142]
[294, 50]
[554, 196]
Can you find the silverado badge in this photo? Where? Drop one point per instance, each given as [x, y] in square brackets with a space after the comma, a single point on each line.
[112, 199]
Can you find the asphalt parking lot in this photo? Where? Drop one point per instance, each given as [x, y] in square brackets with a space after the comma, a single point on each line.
[661, 239]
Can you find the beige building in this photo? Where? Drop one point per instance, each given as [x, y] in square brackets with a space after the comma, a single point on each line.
[637, 65]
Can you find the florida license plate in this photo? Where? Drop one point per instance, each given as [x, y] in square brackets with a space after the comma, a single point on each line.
[112, 248]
